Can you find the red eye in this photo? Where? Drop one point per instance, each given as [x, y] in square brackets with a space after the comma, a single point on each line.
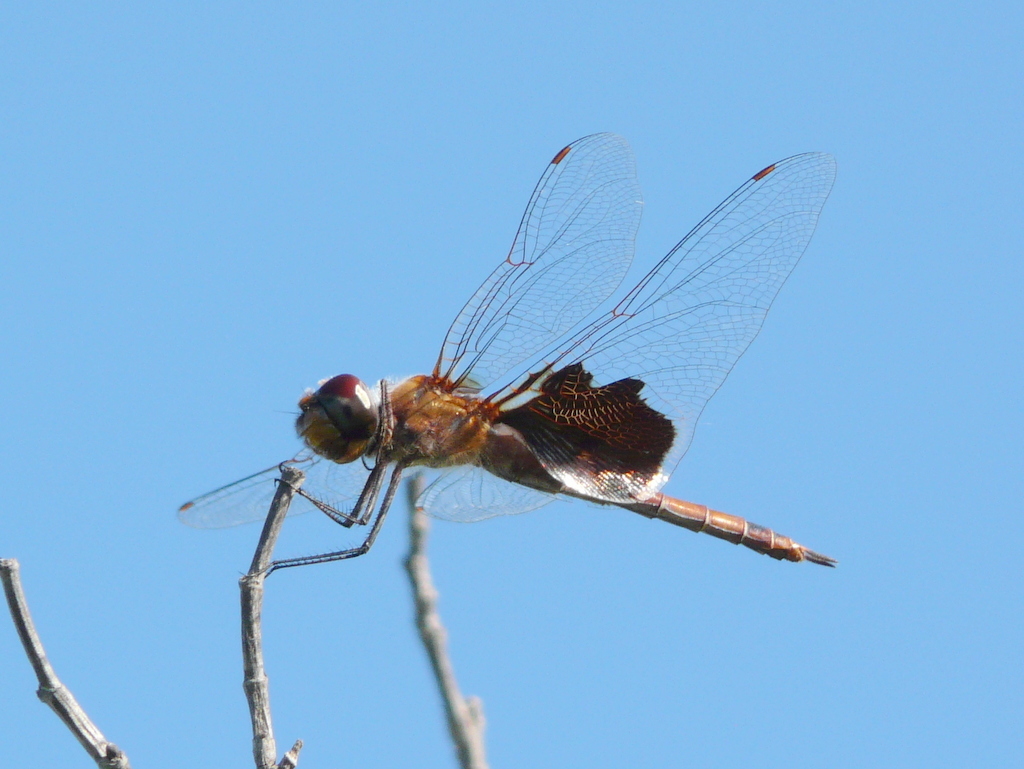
[347, 403]
[341, 386]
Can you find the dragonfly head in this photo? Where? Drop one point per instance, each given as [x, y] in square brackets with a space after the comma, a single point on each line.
[339, 419]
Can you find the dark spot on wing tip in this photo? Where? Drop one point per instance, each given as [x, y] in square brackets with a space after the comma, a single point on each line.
[560, 156]
[186, 506]
[762, 173]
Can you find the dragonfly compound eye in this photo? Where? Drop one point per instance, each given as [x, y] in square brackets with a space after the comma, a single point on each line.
[346, 402]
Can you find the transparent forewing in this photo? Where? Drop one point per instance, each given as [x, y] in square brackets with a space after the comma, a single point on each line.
[469, 493]
[233, 504]
[682, 329]
[248, 499]
[574, 246]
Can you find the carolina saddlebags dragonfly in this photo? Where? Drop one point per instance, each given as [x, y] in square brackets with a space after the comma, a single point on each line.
[526, 401]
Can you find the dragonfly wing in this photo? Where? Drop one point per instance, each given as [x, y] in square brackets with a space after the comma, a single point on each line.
[574, 245]
[469, 493]
[245, 500]
[248, 499]
[673, 340]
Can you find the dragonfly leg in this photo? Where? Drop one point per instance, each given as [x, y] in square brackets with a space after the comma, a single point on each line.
[341, 555]
[385, 431]
[340, 517]
[364, 505]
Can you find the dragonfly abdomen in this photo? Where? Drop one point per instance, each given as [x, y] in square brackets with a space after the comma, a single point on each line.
[731, 528]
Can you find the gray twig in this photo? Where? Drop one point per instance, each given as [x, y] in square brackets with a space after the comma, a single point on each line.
[51, 691]
[465, 717]
[256, 683]
[291, 759]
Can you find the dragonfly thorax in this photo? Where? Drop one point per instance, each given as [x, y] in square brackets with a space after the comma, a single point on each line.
[436, 427]
[339, 419]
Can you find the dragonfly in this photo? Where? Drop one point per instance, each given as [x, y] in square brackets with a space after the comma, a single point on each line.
[545, 386]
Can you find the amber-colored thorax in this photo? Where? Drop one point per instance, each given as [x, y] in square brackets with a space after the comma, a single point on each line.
[438, 428]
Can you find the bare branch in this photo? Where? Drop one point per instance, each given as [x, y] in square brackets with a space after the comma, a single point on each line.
[291, 759]
[256, 683]
[51, 691]
[465, 717]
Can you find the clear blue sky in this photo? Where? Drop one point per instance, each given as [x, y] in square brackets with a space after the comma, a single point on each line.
[205, 210]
